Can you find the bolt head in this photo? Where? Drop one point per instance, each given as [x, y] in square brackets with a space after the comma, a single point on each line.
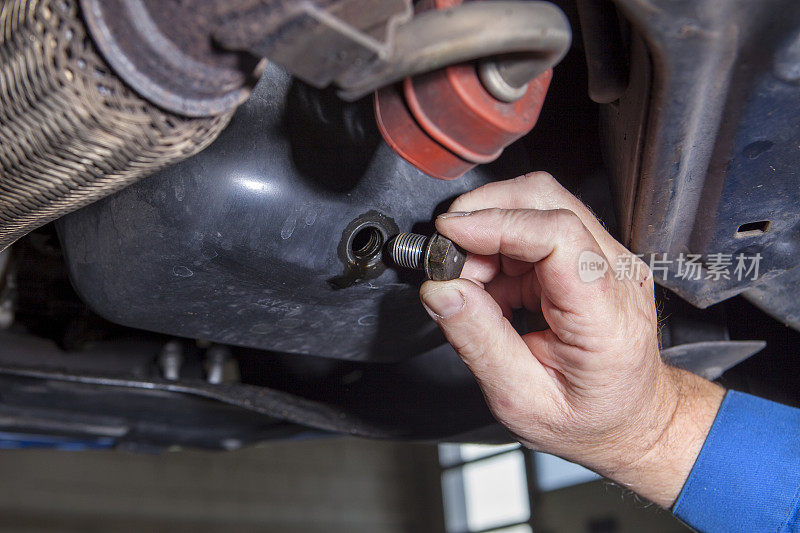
[444, 259]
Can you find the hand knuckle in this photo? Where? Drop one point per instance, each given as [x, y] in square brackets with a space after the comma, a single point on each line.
[568, 217]
[540, 178]
[568, 225]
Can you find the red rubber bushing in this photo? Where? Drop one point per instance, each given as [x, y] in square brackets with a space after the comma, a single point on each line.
[445, 122]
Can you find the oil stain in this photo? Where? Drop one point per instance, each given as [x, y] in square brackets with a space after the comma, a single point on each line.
[357, 270]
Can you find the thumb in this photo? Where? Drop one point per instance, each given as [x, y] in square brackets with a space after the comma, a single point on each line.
[475, 326]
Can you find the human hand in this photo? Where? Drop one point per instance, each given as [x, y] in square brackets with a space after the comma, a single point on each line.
[592, 388]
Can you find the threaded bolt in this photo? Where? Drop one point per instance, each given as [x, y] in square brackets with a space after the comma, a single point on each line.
[407, 250]
[216, 356]
[438, 256]
[171, 359]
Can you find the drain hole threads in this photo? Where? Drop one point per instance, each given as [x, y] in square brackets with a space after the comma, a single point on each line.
[366, 243]
[361, 249]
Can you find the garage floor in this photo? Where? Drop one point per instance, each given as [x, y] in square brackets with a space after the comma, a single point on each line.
[331, 485]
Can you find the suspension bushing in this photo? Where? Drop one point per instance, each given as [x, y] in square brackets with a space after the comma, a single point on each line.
[445, 122]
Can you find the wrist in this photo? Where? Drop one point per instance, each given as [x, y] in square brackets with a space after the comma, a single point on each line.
[686, 407]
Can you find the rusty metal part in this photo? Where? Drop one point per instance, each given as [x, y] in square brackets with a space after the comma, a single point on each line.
[437, 38]
[71, 131]
[200, 57]
[89, 111]
[196, 57]
[443, 259]
[695, 151]
[438, 256]
[316, 40]
[336, 48]
[164, 51]
[447, 121]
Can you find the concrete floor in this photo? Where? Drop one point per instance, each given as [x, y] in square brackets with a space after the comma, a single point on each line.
[331, 485]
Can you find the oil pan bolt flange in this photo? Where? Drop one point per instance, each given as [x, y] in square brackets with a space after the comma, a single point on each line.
[438, 256]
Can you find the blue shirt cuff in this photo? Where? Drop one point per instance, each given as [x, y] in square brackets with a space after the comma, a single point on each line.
[747, 476]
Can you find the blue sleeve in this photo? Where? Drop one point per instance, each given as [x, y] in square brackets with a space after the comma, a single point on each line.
[747, 476]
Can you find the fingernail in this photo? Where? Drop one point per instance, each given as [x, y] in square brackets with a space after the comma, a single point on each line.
[455, 214]
[444, 302]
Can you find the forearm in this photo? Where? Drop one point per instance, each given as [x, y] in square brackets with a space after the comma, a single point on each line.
[689, 406]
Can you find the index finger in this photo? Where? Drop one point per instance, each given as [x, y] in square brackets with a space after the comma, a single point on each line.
[537, 190]
[556, 241]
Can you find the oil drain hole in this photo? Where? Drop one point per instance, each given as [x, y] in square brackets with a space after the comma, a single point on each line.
[752, 228]
[366, 243]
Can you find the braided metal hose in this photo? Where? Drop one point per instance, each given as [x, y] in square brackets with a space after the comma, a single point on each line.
[71, 131]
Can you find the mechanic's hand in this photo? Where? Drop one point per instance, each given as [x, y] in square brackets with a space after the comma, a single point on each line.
[592, 388]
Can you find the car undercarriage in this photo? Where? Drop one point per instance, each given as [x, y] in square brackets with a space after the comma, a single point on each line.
[196, 199]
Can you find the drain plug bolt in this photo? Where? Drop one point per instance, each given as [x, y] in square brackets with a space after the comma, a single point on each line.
[438, 256]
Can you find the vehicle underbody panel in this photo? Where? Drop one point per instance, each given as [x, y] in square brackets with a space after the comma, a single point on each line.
[240, 290]
[704, 144]
[252, 241]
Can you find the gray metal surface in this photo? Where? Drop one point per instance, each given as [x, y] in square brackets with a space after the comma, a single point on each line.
[506, 86]
[435, 39]
[197, 58]
[704, 139]
[710, 359]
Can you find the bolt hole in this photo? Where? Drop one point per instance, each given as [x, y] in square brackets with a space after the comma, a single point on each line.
[752, 228]
[366, 243]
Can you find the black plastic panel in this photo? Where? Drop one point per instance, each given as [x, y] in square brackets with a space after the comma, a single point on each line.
[246, 243]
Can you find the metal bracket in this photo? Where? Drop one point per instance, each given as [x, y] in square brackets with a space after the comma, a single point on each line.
[199, 57]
